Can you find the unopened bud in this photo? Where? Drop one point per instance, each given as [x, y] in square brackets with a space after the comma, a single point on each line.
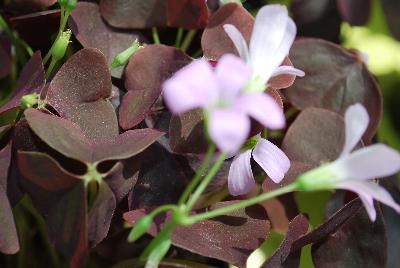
[140, 228]
[60, 46]
[28, 101]
[122, 58]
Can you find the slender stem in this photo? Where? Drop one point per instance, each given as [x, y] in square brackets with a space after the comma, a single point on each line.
[179, 36]
[156, 37]
[162, 209]
[188, 40]
[63, 23]
[243, 204]
[199, 174]
[264, 133]
[51, 67]
[203, 185]
[198, 53]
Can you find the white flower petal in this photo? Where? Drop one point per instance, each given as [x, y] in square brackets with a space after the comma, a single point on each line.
[263, 108]
[288, 70]
[240, 177]
[356, 122]
[272, 160]
[273, 35]
[238, 40]
[368, 190]
[375, 161]
[232, 74]
[228, 129]
[193, 86]
[368, 202]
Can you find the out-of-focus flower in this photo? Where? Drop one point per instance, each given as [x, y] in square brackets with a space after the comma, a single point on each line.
[355, 171]
[219, 92]
[273, 35]
[270, 158]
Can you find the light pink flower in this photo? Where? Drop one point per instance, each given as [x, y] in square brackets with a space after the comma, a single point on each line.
[355, 171]
[273, 35]
[218, 91]
[270, 158]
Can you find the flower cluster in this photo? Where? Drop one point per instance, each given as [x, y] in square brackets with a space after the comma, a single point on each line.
[234, 91]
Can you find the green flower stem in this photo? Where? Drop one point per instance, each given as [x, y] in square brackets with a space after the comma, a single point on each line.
[203, 185]
[188, 40]
[197, 54]
[199, 174]
[264, 133]
[156, 37]
[63, 22]
[179, 36]
[51, 67]
[242, 204]
[163, 209]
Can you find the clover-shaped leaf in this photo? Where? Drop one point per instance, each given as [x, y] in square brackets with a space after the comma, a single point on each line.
[79, 92]
[156, 61]
[68, 138]
[91, 31]
[335, 79]
[9, 242]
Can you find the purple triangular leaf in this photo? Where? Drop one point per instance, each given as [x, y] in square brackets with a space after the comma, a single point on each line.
[79, 92]
[156, 61]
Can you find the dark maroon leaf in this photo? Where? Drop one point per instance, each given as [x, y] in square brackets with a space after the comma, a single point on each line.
[91, 31]
[316, 136]
[31, 80]
[44, 180]
[329, 226]
[391, 222]
[136, 14]
[9, 243]
[308, 11]
[123, 176]
[162, 179]
[230, 238]
[281, 211]
[335, 78]
[355, 12]
[186, 133]
[392, 10]
[67, 225]
[309, 15]
[5, 56]
[188, 14]
[33, 4]
[60, 134]
[358, 243]
[3, 129]
[215, 42]
[125, 145]
[101, 213]
[297, 227]
[156, 61]
[68, 138]
[47, 21]
[79, 92]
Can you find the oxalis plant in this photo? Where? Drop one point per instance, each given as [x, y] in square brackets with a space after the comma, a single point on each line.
[188, 134]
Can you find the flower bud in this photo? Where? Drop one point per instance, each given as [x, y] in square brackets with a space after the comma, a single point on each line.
[60, 46]
[29, 101]
[122, 58]
[140, 228]
[320, 178]
[69, 5]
